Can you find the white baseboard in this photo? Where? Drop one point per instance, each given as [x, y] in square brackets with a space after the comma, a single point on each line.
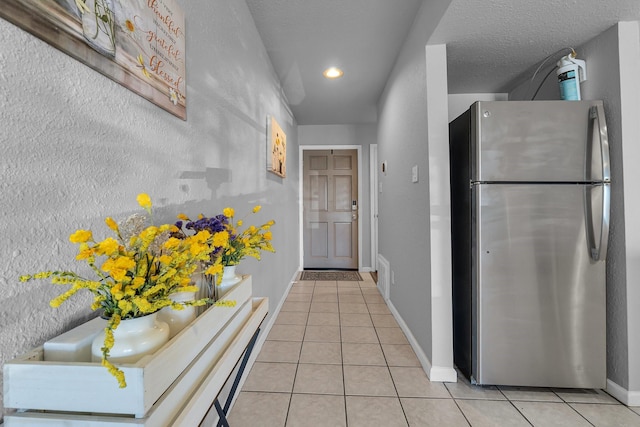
[435, 373]
[443, 374]
[629, 398]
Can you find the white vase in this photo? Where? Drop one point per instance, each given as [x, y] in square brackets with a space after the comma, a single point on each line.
[133, 338]
[178, 319]
[229, 279]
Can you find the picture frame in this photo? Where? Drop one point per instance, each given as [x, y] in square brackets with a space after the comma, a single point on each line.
[276, 148]
[138, 44]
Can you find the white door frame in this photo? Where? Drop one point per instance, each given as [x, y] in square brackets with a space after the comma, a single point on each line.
[373, 200]
[302, 148]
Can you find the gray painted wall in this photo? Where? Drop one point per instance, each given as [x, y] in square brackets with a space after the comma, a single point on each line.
[403, 206]
[78, 147]
[614, 58]
[363, 135]
[604, 83]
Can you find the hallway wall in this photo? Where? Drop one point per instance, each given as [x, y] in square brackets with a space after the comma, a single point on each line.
[409, 123]
[78, 147]
[360, 134]
[613, 59]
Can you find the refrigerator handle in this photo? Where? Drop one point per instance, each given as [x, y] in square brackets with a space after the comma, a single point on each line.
[601, 253]
[599, 249]
[596, 115]
[597, 241]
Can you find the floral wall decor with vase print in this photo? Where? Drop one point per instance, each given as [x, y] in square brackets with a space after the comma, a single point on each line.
[276, 148]
[137, 43]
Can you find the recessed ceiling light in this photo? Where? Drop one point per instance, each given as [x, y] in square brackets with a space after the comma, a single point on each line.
[333, 73]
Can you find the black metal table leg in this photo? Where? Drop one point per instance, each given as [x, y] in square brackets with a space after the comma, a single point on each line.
[222, 422]
[222, 412]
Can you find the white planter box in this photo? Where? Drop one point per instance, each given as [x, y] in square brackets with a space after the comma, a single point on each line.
[31, 383]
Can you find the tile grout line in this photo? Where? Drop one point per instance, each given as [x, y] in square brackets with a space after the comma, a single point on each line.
[299, 356]
[517, 410]
[576, 411]
[344, 382]
[395, 387]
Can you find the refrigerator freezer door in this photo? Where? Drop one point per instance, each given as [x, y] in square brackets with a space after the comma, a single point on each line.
[541, 297]
[540, 141]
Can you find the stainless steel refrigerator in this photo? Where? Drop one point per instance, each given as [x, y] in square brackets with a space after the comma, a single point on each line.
[530, 198]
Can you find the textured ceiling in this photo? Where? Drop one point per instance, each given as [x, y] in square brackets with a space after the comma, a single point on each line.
[490, 44]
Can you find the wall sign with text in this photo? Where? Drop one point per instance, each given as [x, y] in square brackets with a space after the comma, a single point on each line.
[137, 43]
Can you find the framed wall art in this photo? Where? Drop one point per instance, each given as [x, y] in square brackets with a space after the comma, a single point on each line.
[276, 148]
[139, 44]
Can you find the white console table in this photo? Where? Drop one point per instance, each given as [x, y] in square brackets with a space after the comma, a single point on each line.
[36, 391]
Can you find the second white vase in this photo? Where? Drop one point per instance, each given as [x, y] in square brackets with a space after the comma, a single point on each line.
[178, 319]
[229, 279]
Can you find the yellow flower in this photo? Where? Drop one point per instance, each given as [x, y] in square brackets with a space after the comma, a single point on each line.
[183, 217]
[228, 212]
[221, 239]
[55, 303]
[267, 235]
[144, 201]
[125, 306]
[225, 303]
[118, 267]
[240, 222]
[257, 208]
[116, 291]
[111, 224]
[108, 339]
[214, 269]
[125, 263]
[143, 304]
[81, 236]
[171, 243]
[84, 252]
[138, 282]
[165, 259]
[108, 246]
[197, 248]
[115, 372]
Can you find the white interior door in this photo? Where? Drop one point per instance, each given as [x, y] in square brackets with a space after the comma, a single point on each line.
[330, 209]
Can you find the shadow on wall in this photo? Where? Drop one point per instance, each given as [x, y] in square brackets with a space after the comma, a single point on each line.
[214, 178]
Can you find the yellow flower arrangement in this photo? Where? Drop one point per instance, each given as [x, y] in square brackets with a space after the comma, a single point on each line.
[137, 271]
[249, 242]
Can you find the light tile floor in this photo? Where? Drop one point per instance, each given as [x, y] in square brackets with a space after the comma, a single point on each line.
[336, 357]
